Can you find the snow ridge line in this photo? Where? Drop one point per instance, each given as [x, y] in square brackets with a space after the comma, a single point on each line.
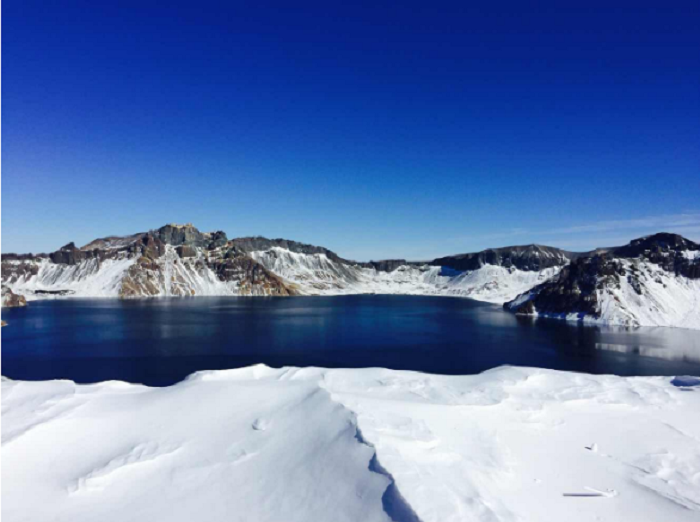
[393, 502]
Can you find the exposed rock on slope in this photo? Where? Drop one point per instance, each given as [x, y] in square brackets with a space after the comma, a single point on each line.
[652, 281]
[173, 260]
[528, 257]
[10, 299]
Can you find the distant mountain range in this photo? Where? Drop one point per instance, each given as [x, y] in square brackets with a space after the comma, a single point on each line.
[652, 281]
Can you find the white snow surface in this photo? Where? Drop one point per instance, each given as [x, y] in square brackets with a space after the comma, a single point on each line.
[89, 278]
[666, 299]
[263, 444]
[691, 254]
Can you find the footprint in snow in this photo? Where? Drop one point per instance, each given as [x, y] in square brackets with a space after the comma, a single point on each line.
[261, 424]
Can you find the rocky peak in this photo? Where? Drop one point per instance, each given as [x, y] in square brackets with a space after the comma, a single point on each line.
[655, 245]
[190, 236]
[67, 255]
[176, 235]
[669, 251]
[216, 239]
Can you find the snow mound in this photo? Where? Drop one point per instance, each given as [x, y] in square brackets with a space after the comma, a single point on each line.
[309, 444]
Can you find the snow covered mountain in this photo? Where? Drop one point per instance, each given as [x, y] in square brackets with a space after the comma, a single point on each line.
[652, 281]
[179, 260]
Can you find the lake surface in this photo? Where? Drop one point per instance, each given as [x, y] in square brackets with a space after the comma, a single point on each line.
[161, 341]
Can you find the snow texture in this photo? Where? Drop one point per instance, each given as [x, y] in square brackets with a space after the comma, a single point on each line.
[263, 444]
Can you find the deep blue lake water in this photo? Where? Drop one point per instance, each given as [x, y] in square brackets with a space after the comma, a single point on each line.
[160, 341]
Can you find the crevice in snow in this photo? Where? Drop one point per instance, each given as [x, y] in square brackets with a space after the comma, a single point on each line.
[393, 502]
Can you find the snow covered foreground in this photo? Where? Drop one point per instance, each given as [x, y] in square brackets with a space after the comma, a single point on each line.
[261, 444]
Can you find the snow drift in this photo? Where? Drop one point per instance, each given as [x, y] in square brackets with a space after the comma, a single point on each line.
[372, 445]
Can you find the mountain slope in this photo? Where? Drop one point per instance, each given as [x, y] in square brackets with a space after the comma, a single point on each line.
[652, 281]
[171, 261]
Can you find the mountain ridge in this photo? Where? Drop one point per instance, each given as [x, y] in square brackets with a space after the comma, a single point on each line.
[257, 242]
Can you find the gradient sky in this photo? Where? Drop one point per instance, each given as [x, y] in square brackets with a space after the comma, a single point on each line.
[406, 130]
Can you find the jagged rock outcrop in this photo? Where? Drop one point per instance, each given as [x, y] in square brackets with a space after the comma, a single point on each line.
[251, 277]
[671, 252]
[188, 235]
[10, 299]
[651, 281]
[175, 235]
[16, 268]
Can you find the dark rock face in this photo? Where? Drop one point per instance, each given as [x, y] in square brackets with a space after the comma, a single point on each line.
[387, 265]
[23, 257]
[251, 276]
[12, 272]
[188, 235]
[665, 250]
[181, 235]
[68, 255]
[149, 246]
[186, 251]
[217, 239]
[529, 257]
[573, 290]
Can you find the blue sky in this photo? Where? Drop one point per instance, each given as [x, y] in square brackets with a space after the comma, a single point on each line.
[404, 130]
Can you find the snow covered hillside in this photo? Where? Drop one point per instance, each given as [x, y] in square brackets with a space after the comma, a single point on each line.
[653, 281]
[511, 444]
[316, 274]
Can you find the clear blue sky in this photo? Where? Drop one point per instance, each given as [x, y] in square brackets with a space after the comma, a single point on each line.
[412, 130]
